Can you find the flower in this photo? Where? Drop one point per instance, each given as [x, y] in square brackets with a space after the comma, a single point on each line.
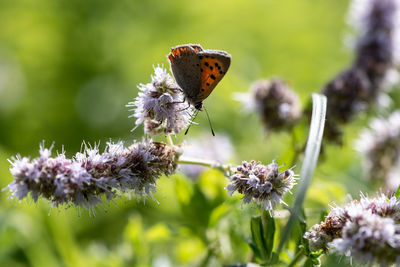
[89, 175]
[262, 184]
[160, 106]
[380, 146]
[347, 102]
[378, 24]
[347, 96]
[367, 230]
[218, 148]
[369, 237]
[378, 17]
[275, 101]
[355, 90]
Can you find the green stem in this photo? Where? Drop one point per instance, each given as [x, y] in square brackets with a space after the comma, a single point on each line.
[197, 161]
[309, 163]
[204, 162]
[210, 254]
[169, 139]
[296, 258]
[297, 148]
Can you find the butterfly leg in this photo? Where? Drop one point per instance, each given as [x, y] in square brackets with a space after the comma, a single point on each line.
[192, 120]
[176, 89]
[183, 109]
[179, 102]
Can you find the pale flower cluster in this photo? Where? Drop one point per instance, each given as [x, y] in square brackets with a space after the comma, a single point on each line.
[367, 230]
[88, 176]
[265, 185]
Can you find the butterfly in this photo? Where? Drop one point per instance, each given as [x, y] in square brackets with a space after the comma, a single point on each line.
[198, 71]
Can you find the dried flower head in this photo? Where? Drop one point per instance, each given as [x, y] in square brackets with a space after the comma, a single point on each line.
[380, 145]
[367, 230]
[218, 148]
[265, 185]
[89, 175]
[275, 101]
[160, 105]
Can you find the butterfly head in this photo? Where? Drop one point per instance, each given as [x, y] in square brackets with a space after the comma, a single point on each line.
[199, 106]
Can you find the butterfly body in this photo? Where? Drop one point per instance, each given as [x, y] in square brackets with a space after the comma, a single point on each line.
[198, 71]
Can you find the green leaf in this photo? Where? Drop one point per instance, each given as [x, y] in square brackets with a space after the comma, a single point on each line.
[262, 234]
[323, 214]
[274, 259]
[313, 262]
[397, 192]
[257, 234]
[242, 265]
[310, 160]
[253, 246]
[268, 223]
[300, 229]
[308, 263]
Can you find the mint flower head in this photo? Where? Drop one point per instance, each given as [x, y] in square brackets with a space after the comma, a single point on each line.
[88, 176]
[377, 23]
[377, 47]
[277, 104]
[265, 185]
[159, 105]
[367, 230]
[380, 146]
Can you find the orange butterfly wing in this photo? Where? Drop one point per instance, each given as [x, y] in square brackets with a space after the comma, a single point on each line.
[214, 64]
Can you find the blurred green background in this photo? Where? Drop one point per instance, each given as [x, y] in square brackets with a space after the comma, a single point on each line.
[67, 69]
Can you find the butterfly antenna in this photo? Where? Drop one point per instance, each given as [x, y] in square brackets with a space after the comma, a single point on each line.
[209, 122]
[191, 121]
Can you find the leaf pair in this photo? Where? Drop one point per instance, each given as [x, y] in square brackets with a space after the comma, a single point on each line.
[262, 238]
